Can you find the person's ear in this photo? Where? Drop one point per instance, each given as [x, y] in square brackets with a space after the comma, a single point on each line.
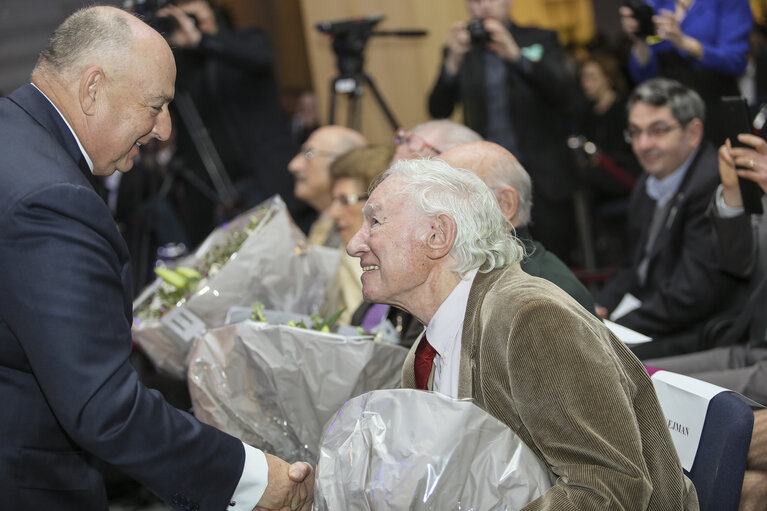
[695, 129]
[91, 88]
[441, 236]
[508, 200]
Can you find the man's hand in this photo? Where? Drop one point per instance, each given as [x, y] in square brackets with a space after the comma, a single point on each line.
[630, 26]
[751, 163]
[458, 45]
[601, 311]
[502, 43]
[729, 177]
[187, 35]
[291, 487]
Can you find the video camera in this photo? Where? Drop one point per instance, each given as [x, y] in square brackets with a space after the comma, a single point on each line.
[349, 39]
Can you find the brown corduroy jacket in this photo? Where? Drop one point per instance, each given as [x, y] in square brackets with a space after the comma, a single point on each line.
[536, 360]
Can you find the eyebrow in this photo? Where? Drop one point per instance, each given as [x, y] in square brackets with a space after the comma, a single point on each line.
[162, 98]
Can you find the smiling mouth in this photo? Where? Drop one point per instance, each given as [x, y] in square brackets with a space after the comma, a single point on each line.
[370, 268]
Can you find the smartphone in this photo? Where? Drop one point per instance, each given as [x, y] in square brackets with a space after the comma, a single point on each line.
[737, 120]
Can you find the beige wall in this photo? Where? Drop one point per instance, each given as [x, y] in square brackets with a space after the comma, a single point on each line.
[404, 69]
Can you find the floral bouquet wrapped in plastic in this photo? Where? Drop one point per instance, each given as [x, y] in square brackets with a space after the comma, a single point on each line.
[259, 256]
[276, 386]
[417, 450]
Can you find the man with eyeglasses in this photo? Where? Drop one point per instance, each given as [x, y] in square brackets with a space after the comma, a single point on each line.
[311, 175]
[671, 283]
[431, 138]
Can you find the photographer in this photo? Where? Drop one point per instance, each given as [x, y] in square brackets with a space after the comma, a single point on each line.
[515, 91]
[229, 76]
[702, 44]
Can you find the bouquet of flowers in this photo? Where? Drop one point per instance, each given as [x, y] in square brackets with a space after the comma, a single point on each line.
[275, 386]
[259, 256]
[417, 450]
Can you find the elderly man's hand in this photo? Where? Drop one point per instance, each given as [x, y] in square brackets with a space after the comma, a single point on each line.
[291, 487]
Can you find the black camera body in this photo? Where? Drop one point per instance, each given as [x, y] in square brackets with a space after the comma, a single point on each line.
[479, 35]
[643, 12]
[147, 11]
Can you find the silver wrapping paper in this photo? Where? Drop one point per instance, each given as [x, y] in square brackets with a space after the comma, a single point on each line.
[275, 387]
[416, 450]
[274, 266]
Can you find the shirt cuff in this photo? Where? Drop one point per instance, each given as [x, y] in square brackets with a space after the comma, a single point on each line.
[722, 209]
[253, 481]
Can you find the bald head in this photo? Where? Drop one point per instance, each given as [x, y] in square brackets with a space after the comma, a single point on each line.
[500, 171]
[311, 167]
[111, 76]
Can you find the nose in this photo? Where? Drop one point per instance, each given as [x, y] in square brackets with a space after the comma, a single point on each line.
[357, 246]
[295, 164]
[642, 142]
[163, 124]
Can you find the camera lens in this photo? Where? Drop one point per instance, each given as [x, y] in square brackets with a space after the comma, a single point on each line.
[479, 36]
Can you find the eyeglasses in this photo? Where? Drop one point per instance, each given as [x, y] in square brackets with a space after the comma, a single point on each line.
[654, 132]
[350, 200]
[310, 153]
[414, 142]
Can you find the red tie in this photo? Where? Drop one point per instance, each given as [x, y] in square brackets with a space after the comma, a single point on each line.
[424, 358]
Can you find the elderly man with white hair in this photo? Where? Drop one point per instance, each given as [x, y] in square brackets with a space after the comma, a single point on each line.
[435, 243]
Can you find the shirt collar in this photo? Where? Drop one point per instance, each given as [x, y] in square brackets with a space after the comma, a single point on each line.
[448, 320]
[82, 149]
[661, 189]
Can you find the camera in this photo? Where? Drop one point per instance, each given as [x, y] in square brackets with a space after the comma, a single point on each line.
[643, 12]
[147, 11]
[479, 35]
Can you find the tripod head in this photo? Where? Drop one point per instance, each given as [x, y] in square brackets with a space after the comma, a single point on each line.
[351, 35]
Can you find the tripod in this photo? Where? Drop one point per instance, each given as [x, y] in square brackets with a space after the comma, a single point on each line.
[349, 39]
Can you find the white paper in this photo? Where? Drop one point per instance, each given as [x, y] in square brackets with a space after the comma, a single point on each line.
[627, 335]
[684, 401]
[628, 303]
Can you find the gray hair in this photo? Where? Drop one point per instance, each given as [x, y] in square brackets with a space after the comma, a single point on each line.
[685, 103]
[87, 32]
[482, 240]
[448, 133]
[509, 172]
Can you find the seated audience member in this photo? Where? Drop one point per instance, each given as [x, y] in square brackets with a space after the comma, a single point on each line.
[670, 283]
[431, 139]
[435, 243]
[311, 172]
[741, 242]
[351, 175]
[510, 183]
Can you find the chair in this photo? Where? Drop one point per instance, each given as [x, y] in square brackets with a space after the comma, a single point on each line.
[720, 461]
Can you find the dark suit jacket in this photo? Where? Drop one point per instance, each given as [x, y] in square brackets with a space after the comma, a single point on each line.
[67, 390]
[685, 284]
[537, 361]
[539, 101]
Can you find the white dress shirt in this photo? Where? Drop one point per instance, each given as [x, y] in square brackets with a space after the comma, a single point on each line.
[444, 334]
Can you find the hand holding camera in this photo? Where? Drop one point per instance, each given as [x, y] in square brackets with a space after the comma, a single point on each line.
[185, 33]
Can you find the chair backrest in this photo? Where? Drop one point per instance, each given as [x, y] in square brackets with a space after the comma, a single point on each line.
[720, 459]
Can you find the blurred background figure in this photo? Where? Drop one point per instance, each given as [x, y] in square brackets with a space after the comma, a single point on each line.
[431, 138]
[700, 43]
[311, 174]
[351, 175]
[671, 284]
[229, 80]
[517, 92]
[607, 167]
[511, 185]
[305, 117]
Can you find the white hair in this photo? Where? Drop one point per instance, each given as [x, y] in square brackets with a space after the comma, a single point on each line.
[482, 240]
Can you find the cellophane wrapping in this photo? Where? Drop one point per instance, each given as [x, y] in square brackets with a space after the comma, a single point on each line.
[274, 266]
[416, 450]
[276, 386]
